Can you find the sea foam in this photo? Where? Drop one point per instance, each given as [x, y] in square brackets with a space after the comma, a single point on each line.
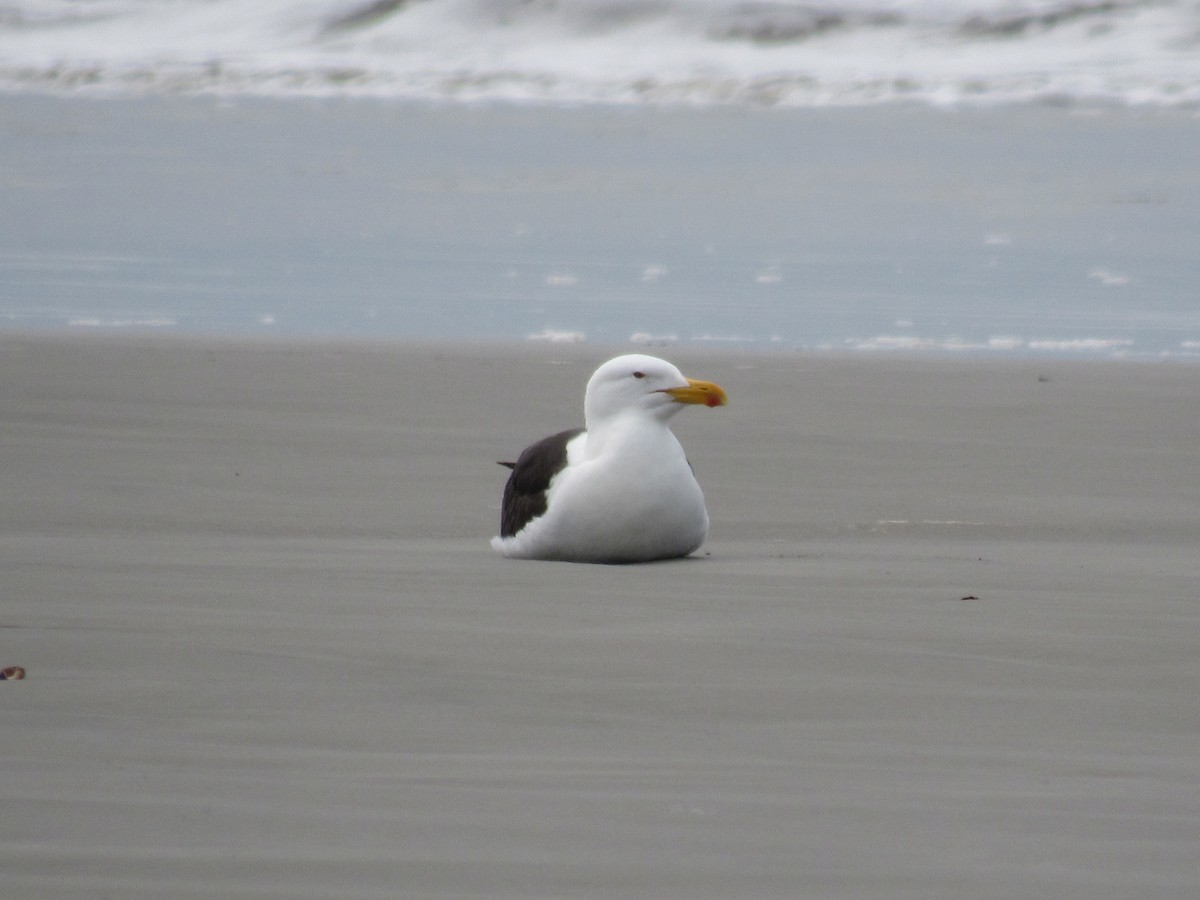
[846, 52]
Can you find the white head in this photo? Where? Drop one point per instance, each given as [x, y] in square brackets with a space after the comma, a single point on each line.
[643, 385]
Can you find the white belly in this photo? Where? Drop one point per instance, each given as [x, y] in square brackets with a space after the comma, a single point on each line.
[630, 505]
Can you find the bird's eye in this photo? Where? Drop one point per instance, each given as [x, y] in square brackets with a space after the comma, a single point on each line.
[639, 374]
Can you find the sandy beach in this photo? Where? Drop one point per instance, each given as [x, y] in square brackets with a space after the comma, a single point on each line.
[942, 641]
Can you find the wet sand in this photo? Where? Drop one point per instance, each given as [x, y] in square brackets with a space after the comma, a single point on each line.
[942, 641]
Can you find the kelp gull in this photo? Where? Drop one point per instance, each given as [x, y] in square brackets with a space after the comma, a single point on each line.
[619, 490]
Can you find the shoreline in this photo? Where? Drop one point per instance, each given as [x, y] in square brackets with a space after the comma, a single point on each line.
[584, 348]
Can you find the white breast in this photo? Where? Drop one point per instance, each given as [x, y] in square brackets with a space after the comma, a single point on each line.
[631, 499]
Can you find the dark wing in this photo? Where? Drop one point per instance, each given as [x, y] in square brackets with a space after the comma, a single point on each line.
[525, 492]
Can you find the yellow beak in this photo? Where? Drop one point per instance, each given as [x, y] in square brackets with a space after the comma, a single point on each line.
[703, 392]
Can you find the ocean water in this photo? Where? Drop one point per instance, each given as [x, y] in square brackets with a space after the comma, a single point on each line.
[701, 52]
[978, 177]
[1010, 231]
